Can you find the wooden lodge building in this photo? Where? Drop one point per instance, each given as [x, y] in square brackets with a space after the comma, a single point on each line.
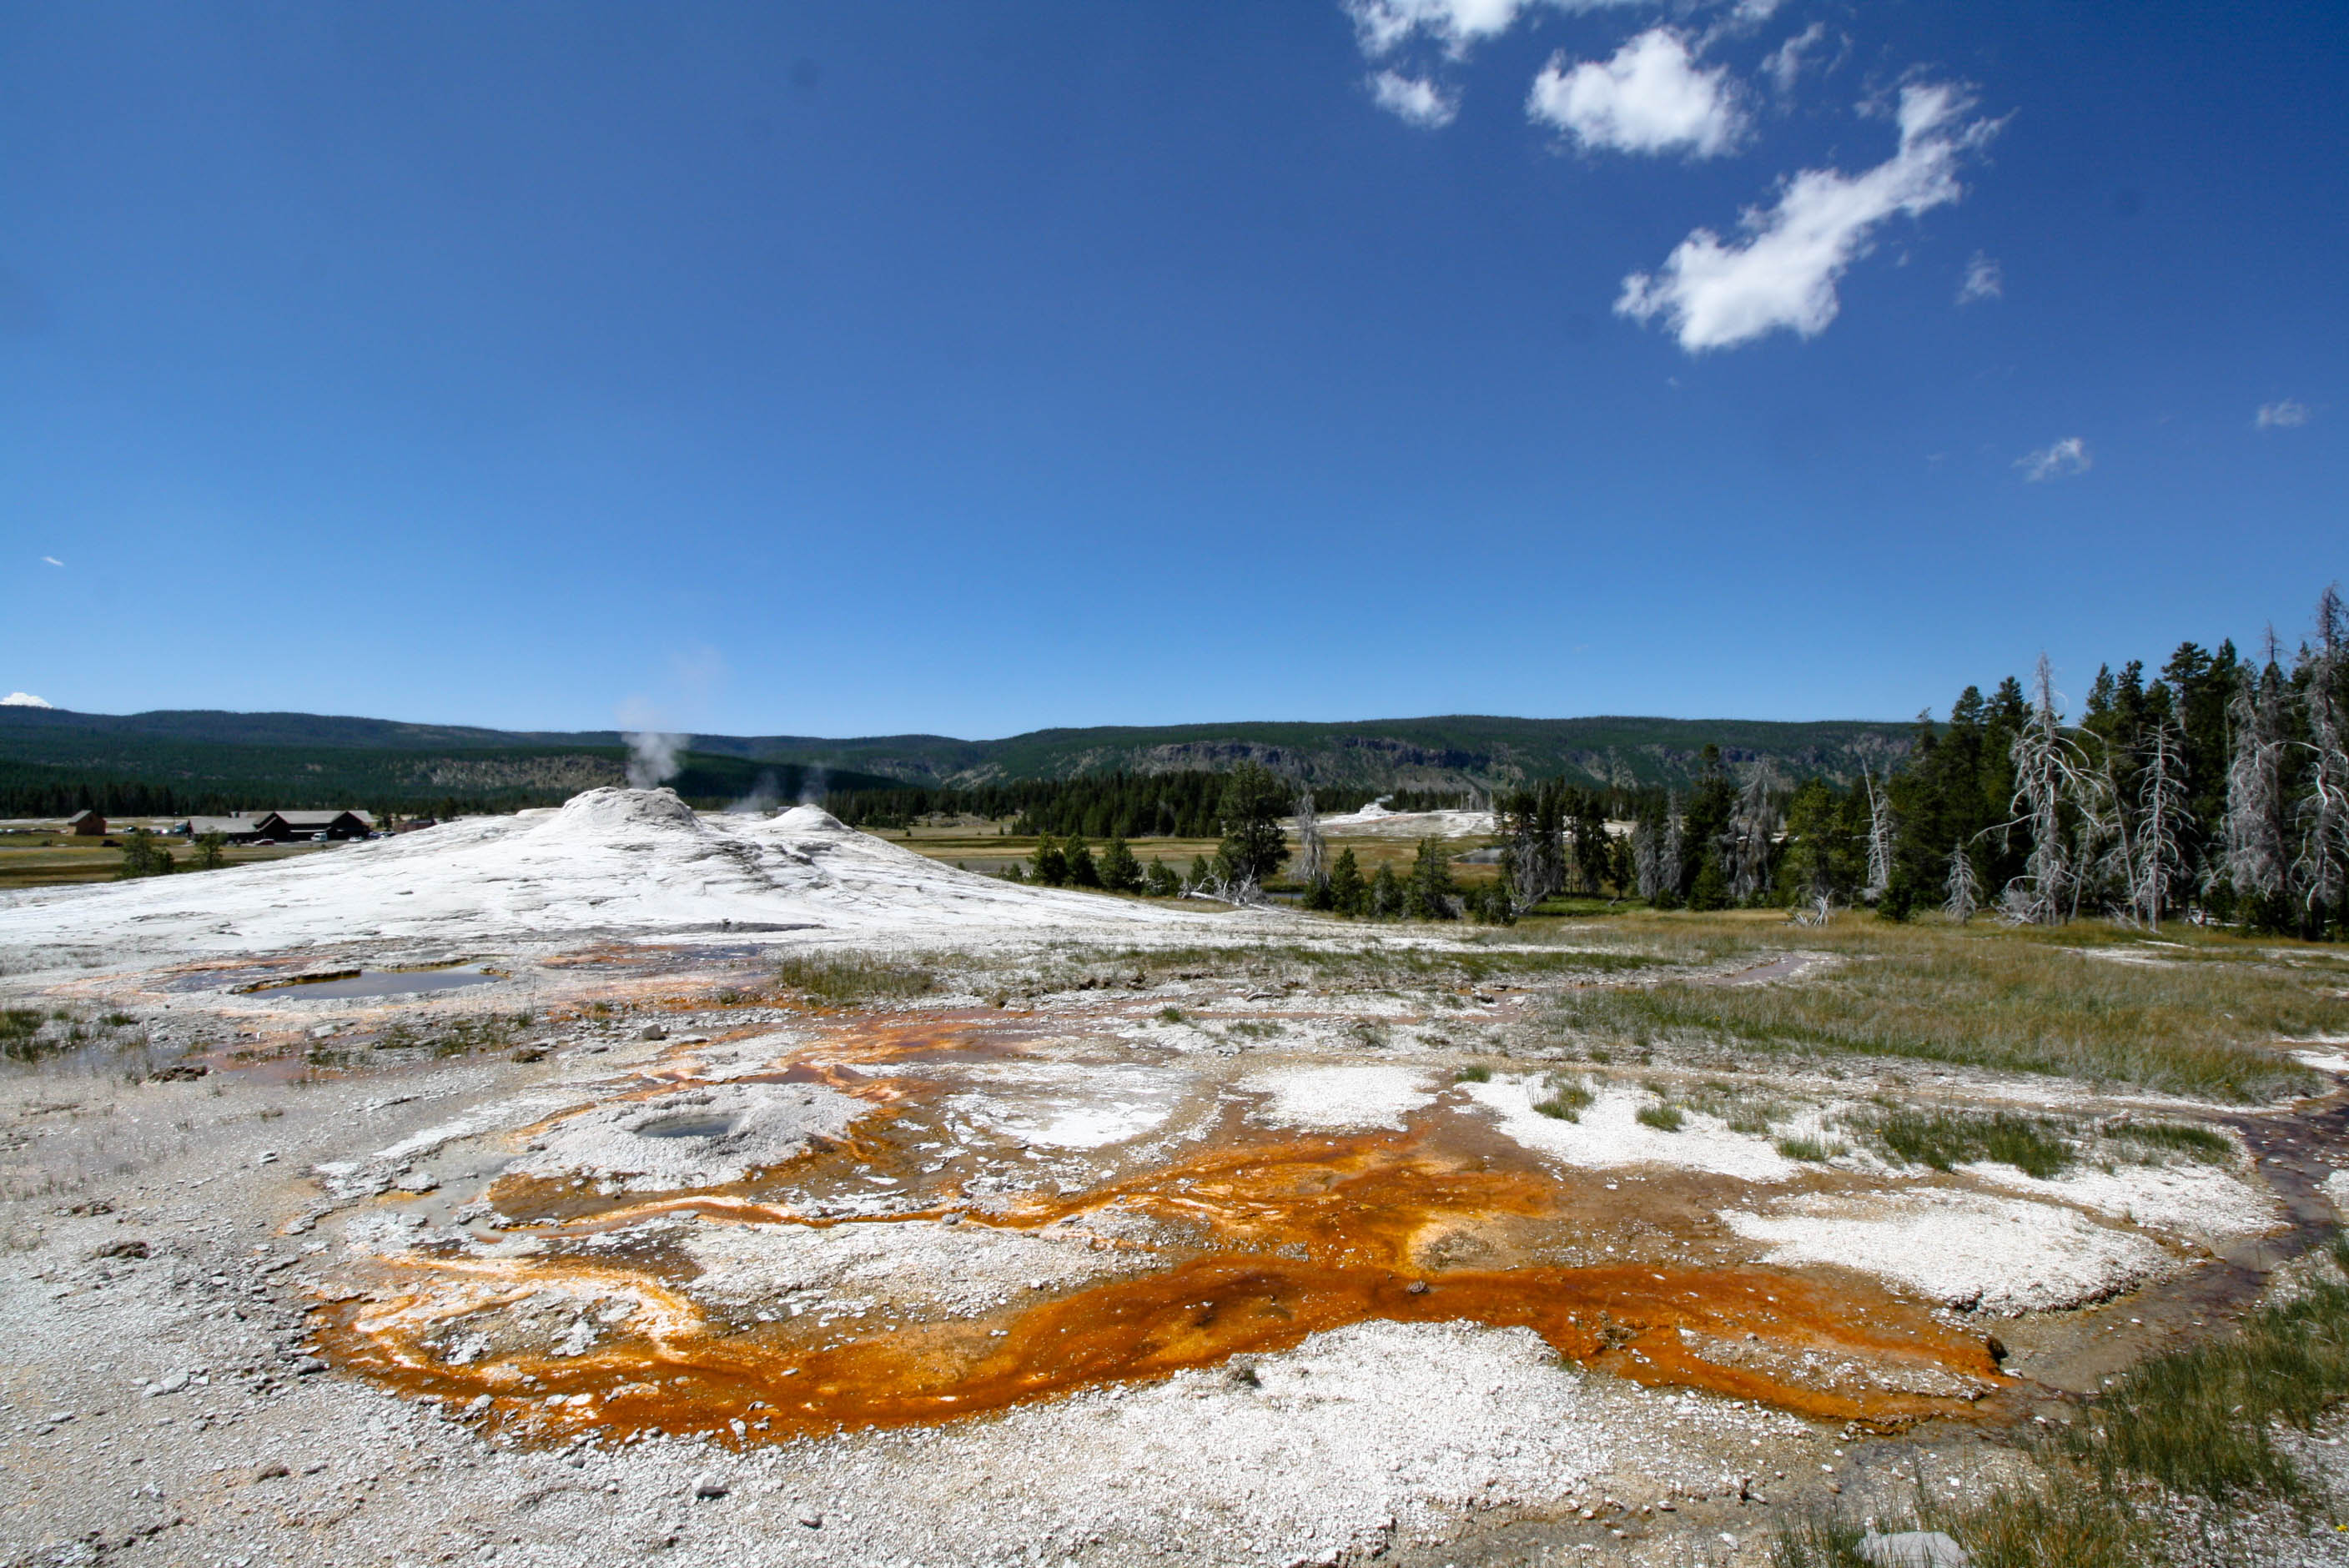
[284, 827]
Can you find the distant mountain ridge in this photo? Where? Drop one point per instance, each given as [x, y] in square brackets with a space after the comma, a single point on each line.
[1452, 751]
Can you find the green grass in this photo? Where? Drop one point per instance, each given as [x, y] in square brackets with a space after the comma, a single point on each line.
[1476, 1072]
[1944, 1139]
[1809, 1149]
[2057, 1518]
[1663, 1118]
[1995, 998]
[1566, 1099]
[2199, 1421]
[2176, 1136]
[1172, 1016]
[20, 1031]
[845, 979]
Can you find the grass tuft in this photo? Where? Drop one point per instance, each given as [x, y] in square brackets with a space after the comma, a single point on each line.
[1815, 1149]
[1944, 1139]
[2180, 1137]
[1566, 1099]
[845, 979]
[1476, 1072]
[1663, 1118]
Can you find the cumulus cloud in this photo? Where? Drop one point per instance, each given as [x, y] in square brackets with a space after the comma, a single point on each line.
[25, 699]
[1414, 100]
[1783, 271]
[1383, 26]
[1784, 63]
[2287, 413]
[1984, 280]
[2059, 459]
[1651, 97]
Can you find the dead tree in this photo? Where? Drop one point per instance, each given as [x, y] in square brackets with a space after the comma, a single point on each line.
[1752, 832]
[2256, 863]
[1880, 839]
[2049, 772]
[2156, 853]
[2320, 871]
[1311, 867]
[1963, 887]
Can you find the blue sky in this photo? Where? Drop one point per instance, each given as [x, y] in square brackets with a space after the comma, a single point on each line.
[974, 368]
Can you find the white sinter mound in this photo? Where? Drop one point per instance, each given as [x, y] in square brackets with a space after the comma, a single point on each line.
[1994, 1255]
[1340, 1096]
[607, 861]
[1609, 1133]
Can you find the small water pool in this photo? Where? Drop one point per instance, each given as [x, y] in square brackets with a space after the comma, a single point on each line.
[688, 1124]
[380, 983]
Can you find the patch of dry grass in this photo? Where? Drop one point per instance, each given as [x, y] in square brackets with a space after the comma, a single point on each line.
[2017, 1001]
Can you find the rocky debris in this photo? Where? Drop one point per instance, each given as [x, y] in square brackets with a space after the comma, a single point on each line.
[127, 1247]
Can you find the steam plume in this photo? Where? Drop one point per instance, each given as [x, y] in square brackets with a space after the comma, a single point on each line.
[652, 758]
[764, 797]
[812, 785]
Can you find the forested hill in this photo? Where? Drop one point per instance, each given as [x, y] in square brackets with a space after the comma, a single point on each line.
[187, 747]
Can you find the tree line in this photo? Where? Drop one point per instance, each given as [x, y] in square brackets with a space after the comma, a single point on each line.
[2217, 791]
[1188, 804]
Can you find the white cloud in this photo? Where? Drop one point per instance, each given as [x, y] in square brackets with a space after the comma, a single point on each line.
[53, 560]
[1384, 26]
[1783, 271]
[25, 699]
[1414, 100]
[1784, 63]
[1650, 97]
[2059, 461]
[1984, 280]
[2288, 413]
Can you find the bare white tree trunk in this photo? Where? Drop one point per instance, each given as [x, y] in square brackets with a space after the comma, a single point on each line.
[2049, 769]
[1672, 856]
[2320, 873]
[1647, 860]
[1879, 838]
[2156, 856]
[1310, 867]
[2255, 859]
[1752, 829]
[1963, 887]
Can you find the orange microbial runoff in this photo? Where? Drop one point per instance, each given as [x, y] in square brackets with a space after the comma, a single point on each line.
[1272, 1239]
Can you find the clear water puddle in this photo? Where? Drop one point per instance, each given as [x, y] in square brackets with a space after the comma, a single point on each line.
[380, 983]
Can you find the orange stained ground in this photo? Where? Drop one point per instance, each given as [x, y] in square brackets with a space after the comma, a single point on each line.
[1293, 1237]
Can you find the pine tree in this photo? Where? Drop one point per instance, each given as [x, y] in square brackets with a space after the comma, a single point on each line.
[1082, 871]
[1159, 881]
[1254, 846]
[1428, 894]
[1120, 872]
[1051, 866]
[212, 851]
[143, 855]
[1386, 894]
[1202, 875]
[1348, 892]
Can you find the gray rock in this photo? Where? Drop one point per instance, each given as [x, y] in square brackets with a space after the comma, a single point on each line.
[1913, 1548]
[708, 1486]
